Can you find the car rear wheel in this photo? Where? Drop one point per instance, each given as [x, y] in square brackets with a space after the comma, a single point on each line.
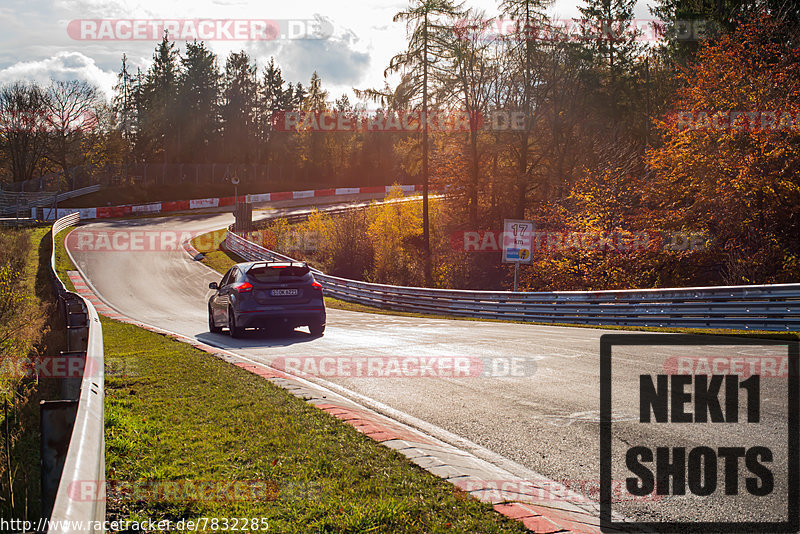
[214, 329]
[234, 330]
[316, 329]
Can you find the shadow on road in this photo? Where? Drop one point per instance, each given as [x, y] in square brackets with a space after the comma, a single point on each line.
[257, 338]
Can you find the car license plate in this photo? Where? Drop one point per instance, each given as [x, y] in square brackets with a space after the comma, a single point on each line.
[283, 292]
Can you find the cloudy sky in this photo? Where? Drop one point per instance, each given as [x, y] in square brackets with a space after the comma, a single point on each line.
[42, 39]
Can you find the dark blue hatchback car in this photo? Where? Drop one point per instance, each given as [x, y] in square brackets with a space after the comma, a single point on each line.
[266, 294]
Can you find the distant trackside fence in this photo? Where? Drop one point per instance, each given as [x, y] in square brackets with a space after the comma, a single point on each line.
[758, 307]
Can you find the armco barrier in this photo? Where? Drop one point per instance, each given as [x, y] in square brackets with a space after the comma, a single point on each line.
[85, 458]
[762, 307]
[13, 203]
[205, 203]
[300, 217]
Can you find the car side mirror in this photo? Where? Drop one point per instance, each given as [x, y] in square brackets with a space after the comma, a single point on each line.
[213, 285]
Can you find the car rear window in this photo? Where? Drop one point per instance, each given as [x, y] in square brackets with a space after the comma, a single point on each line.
[273, 273]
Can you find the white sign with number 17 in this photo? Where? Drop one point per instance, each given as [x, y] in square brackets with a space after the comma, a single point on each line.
[517, 241]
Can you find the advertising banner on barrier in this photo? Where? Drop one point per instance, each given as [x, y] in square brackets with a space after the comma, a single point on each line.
[147, 208]
[50, 214]
[263, 197]
[203, 203]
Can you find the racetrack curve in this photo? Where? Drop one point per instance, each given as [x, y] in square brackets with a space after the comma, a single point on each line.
[546, 420]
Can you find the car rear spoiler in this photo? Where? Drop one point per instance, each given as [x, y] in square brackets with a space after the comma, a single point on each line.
[279, 264]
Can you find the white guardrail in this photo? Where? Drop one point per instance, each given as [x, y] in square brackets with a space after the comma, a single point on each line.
[758, 307]
[13, 202]
[84, 465]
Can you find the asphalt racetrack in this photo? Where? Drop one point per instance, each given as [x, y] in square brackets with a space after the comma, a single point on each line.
[527, 393]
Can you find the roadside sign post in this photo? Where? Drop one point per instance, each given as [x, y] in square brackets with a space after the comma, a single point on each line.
[235, 182]
[517, 244]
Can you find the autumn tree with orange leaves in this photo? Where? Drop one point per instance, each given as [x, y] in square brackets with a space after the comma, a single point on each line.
[741, 185]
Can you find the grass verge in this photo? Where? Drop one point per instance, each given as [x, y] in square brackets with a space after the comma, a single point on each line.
[221, 261]
[213, 256]
[175, 413]
[63, 261]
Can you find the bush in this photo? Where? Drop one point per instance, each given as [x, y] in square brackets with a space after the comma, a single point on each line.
[22, 320]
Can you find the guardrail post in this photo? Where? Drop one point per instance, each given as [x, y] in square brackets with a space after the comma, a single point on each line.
[76, 320]
[71, 382]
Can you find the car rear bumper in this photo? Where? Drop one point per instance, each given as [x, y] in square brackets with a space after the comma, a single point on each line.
[294, 317]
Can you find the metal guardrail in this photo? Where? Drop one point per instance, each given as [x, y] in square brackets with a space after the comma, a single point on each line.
[293, 218]
[58, 226]
[14, 203]
[758, 307]
[83, 470]
[78, 192]
[302, 217]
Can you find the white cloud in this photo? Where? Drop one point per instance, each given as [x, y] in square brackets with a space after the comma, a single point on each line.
[340, 60]
[35, 44]
[61, 66]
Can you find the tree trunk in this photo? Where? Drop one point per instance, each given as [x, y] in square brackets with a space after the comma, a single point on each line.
[426, 238]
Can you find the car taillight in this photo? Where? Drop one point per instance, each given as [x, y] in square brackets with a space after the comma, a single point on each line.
[316, 285]
[245, 287]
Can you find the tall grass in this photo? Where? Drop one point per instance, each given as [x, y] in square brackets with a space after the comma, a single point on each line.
[29, 327]
[22, 316]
